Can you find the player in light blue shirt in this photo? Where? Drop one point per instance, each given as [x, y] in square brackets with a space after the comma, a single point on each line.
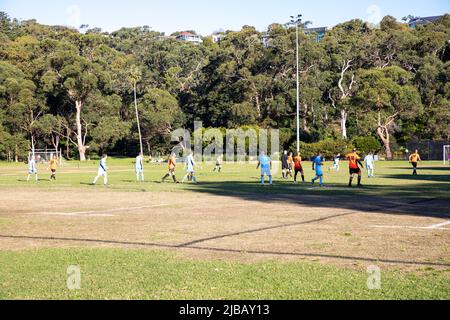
[370, 165]
[32, 168]
[102, 171]
[317, 166]
[265, 163]
[139, 166]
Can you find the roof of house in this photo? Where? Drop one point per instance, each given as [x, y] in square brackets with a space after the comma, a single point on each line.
[312, 30]
[425, 19]
[185, 33]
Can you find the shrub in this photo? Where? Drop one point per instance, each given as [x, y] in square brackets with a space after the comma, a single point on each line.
[328, 148]
[367, 144]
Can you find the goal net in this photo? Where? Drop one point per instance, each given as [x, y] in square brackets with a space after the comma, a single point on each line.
[446, 154]
[44, 156]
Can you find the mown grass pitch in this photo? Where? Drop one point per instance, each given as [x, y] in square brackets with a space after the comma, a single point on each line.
[225, 238]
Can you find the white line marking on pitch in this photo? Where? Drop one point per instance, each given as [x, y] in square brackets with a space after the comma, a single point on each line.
[434, 227]
[73, 214]
[437, 226]
[99, 213]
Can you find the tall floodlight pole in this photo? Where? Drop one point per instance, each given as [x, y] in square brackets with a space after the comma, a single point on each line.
[297, 21]
[135, 76]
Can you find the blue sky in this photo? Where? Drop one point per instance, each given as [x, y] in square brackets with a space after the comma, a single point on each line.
[206, 16]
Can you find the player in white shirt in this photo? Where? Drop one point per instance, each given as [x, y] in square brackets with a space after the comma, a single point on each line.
[336, 163]
[32, 168]
[102, 171]
[140, 167]
[219, 163]
[190, 165]
[370, 164]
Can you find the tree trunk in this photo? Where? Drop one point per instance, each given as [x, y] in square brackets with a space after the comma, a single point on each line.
[68, 144]
[55, 142]
[304, 118]
[258, 105]
[32, 144]
[344, 116]
[383, 133]
[80, 143]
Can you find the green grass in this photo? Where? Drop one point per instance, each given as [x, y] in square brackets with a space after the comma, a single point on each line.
[393, 179]
[143, 274]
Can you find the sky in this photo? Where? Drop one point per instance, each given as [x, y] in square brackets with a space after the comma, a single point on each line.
[207, 16]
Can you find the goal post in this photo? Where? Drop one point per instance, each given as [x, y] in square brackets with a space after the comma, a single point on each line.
[45, 155]
[446, 154]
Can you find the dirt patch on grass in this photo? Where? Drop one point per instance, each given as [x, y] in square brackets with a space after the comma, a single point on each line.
[203, 226]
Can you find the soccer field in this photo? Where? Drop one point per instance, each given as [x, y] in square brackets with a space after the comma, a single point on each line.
[226, 237]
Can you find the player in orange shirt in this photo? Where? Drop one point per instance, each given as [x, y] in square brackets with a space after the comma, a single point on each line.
[172, 163]
[53, 165]
[354, 163]
[298, 168]
[414, 159]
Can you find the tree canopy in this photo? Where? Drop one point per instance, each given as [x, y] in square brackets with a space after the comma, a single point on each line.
[66, 89]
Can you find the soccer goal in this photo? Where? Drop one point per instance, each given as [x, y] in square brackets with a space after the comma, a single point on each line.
[446, 154]
[44, 156]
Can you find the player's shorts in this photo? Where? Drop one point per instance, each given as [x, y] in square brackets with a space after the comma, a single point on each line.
[355, 171]
[369, 167]
[139, 170]
[414, 164]
[53, 171]
[299, 169]
[32, 171]
[285, 166]
[101, 172]
[266, 172]
[319, 171]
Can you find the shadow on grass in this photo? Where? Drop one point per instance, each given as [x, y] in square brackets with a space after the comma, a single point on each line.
[421, 177]
[409, 168]
[225, 250]
[428, 199]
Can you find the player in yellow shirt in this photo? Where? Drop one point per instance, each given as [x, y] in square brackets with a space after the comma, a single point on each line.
[53, 165]
[414, 159]
[171, 163]
[354, 163]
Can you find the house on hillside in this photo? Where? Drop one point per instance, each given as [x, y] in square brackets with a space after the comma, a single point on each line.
[189, 37]
[319, 33]
[420, 21]
[216, 38]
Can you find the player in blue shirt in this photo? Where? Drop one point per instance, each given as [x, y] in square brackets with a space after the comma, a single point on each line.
[265, 163]
[317, 166]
